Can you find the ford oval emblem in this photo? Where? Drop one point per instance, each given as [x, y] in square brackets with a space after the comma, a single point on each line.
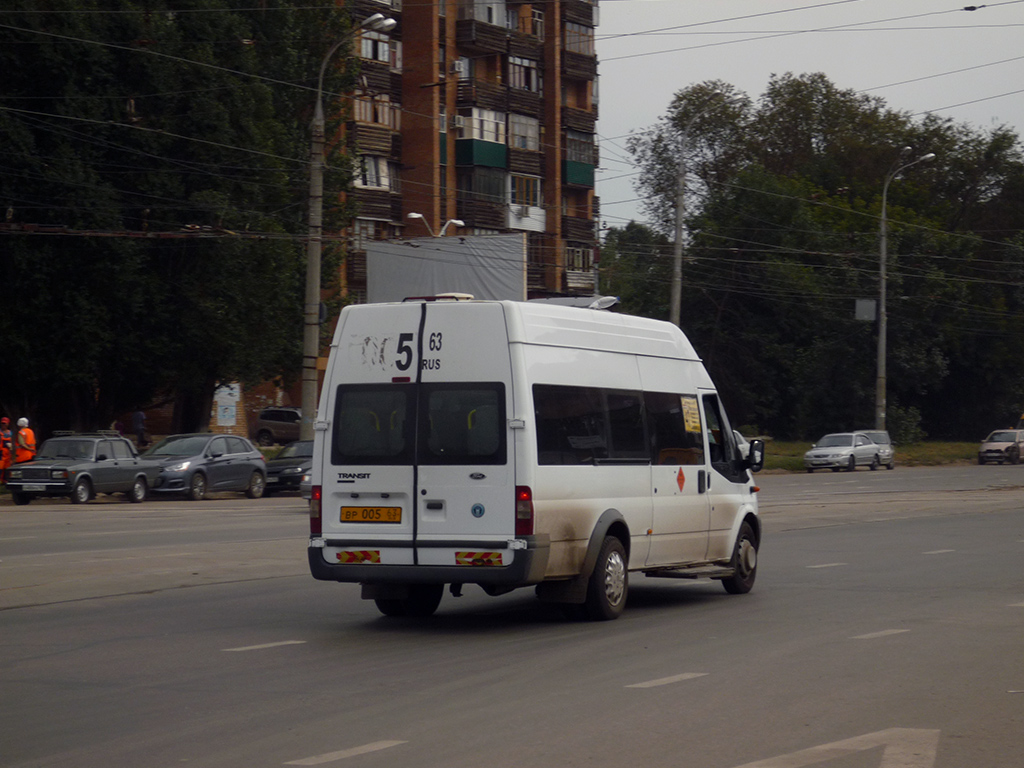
[478, 510]
[477, 476]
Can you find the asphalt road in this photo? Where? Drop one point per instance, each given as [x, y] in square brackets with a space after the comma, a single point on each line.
[885, 630]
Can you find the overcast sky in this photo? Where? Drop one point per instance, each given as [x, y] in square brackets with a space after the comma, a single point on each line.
[919, 55]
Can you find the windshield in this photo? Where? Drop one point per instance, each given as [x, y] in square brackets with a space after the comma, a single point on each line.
[66, 449]
[300, 449]
[189, 445]
[834, 441]
[1001, 437]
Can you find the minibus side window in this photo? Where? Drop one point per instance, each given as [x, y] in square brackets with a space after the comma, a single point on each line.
[723, 452]
[626, 426]
[675, 427]
[371, 425]
[571, 424]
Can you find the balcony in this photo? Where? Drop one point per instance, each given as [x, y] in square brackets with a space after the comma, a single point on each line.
[479, 93]
[578, 228]
[480, 37]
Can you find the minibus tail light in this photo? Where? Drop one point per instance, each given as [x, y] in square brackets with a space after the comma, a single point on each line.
[524, 511]
[315, 496]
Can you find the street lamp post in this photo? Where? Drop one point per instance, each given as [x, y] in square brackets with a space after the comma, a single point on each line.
[456, 222]
[675, 307]
[311, 312]
[883, 236]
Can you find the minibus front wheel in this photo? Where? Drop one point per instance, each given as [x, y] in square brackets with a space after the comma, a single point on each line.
[744, 562]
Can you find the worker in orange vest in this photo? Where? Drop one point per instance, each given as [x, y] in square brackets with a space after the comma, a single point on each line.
[25, 443]
[6, 446]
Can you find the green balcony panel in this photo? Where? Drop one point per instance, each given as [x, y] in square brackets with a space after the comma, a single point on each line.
[485, 153]
[580, 174]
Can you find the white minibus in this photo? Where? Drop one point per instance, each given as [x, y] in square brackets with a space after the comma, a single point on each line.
[511, 444]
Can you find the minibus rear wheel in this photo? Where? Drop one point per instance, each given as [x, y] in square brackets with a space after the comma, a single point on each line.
[422, 601]
[609, 583]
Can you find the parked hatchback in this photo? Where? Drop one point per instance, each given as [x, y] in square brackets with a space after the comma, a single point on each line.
[197, 464]
[277, 425]
[1002, 445]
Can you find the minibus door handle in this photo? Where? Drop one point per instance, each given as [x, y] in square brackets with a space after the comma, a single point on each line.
[703, 481]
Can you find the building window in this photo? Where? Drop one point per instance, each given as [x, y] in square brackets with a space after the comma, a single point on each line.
[524, 74]
[364, 231]
[485, 184]
[377, 109]
[481, 124]
[537, 24]
[524, 132]
[527, 24]
[377, 46]
[578, 258]
[377, 173]
[492, 13]
[525, 190]
[579, 39]
[579, 147]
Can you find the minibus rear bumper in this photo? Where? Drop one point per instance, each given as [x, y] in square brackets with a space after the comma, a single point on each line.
[528, 566]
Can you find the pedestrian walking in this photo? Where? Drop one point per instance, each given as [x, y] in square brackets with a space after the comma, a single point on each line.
[139, 428]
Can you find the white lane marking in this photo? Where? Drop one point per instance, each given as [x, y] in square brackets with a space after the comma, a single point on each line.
[904, 748]
[265, 645]
[668, 680]
[939, 551]
[1017, 605]
[827, 565]
[331, 757]
[883, 633]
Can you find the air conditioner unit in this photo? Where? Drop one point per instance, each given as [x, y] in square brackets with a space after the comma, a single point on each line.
[458, 122]
[458, 67]
[522, 211]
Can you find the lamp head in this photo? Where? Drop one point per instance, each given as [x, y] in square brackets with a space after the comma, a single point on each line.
[414, 216]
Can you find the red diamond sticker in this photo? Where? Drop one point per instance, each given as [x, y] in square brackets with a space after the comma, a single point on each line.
[681, 479]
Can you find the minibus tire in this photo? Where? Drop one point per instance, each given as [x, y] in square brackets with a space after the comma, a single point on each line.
[609, 583]
[422, 601]
[744, 562]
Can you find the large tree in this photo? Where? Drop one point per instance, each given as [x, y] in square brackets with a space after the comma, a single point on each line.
[169, 143]
[782, 236]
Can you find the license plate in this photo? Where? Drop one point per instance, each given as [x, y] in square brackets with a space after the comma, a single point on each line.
[33, 487]
[271, 479]
[371, 514]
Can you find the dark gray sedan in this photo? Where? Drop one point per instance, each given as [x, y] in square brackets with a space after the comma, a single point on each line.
[285, 470]
[80, 466]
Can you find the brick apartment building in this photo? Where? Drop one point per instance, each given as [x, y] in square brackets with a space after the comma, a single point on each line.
[484, 112]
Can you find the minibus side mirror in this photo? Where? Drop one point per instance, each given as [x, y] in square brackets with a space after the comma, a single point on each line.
[755, 457]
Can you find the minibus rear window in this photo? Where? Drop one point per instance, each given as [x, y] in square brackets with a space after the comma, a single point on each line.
[460, 424]
[372, 424]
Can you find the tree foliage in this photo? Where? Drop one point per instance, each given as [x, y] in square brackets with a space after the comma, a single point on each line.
[782, 237]
[177, 135]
